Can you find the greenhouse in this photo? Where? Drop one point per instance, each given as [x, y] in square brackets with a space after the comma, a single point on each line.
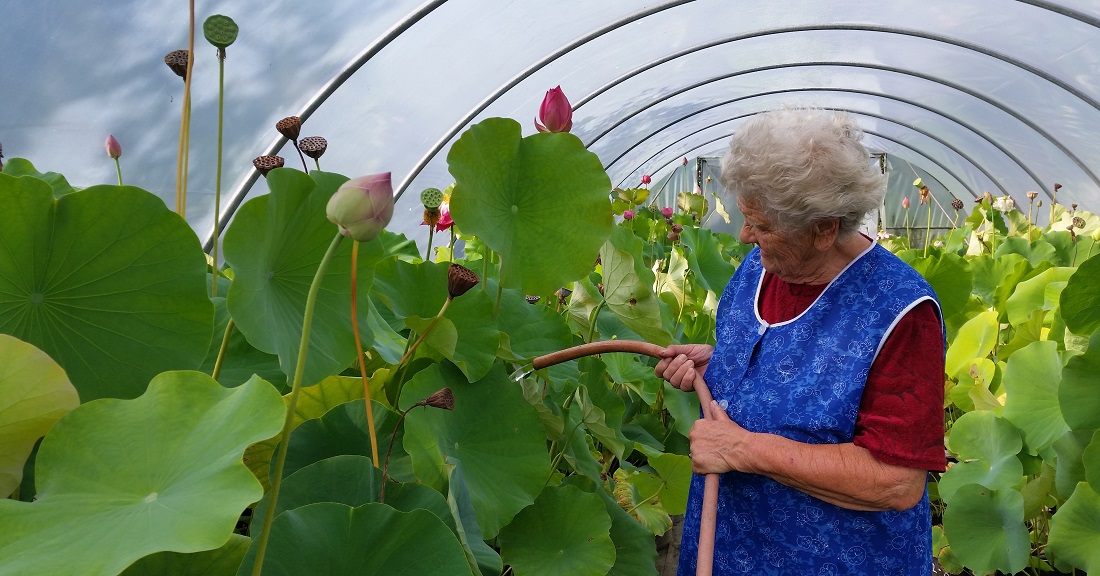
[573, 288]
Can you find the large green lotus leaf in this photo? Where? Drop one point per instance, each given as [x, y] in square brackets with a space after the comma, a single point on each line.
[1038, 251]
[608, 429]
[222, 561]
[1090, 459]
[951, 278]
[635, 549]
[313, 402]
[352, 480]
[121, 479]
[986, 529]
[996, 278]
[1031, 381]
[1079, 393]
[107, 281]
[566, 532]
[493, 434]
[712, 270]
[530, 330]
[34, 393]
[974, 341]
[674, 471]
[417, 291]
[370, 540]
[1031, 294]
[1080, 301]
[17, 167]
[540, 202]
[986, 446]
[1074, 541]
[274, 245]
[483, 558]
[241, 360]
[345, 430]
[627, 287]
[1070, 467]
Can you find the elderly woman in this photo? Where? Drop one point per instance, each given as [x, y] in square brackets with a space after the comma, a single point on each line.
[827, 374]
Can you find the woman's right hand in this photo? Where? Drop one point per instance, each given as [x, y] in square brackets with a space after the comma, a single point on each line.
[680, 363]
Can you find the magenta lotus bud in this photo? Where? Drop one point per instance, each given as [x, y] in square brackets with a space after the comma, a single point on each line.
[114, 149]
[685, 161]
[646, 179]
[905, 202]
[628, 214]
[555, 113]
[362, 207]
[666, 212]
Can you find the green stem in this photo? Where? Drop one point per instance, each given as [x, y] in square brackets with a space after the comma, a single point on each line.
[118, 170]
[389, 449]
[317, 163]
[359, 351]
[500, 295]
[928, 231]
[595, 315]
[908, 238]
[218, 178]
[292, 404]
[1030, 209]
[419, 339]
[431, 236]
[221, 350]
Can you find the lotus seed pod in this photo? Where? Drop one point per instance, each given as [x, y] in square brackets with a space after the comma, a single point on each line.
[362, 207]
[268, 163]
[1031, 195]
[431, 198]
[563, 295]
[1057, 186]
[460, 279]
[444, 400]
[957, 204]
[221, 31]
[677, 228]
[673, 237]
[313, 146]
[1078, 222]
[532, 299]
[177, 61]
[291, 127]
[1073, 206]
[1039, 204]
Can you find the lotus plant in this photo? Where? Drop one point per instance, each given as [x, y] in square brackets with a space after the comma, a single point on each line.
[221, 31]
[555, 114]
[114, 151]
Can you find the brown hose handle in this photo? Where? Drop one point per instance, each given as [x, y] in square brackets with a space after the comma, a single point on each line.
[709, 516]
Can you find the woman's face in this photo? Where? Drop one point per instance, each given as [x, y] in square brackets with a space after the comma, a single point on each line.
[782, 253]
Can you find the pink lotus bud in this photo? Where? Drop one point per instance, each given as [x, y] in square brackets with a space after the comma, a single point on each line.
[666, 212]
[646, 179]
[905, 202]
[628, 214]
[555, 113]
[685, 161]
[114, 149]
[362, 207]
[697, 190]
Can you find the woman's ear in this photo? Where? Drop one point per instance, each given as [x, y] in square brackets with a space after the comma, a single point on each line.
[825, 233]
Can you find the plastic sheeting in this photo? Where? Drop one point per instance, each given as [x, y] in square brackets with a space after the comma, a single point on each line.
[984, 95]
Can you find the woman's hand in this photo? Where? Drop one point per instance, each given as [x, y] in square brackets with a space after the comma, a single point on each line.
[716, 442]
[680, 363]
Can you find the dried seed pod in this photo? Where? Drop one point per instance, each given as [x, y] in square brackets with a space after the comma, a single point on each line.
[532, 299]
[431, 198]
[444, 400]
[1057, 186]
[313, 146]
[677, 228]
[1039, 204]
[1031, 195]
[177, 61]
[563, 295]
[673, 237]
[1073, 207]
[267, 163]
[957, 204]
[291, 127]
[1078, 222]
[460, 279]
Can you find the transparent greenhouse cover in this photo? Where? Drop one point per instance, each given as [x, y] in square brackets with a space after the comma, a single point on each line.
[976, 95]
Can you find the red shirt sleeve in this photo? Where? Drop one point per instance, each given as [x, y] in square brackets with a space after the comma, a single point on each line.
[900, 418]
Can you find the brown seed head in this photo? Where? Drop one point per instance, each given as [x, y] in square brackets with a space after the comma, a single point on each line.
[431, 218]
[532, 299]
[1031, 195]
[1078, 222]
[444, 399]
[1073, 206]
[177, 61]
[957, 204]
[460, 279]
[677, 228]
[291, 127]
[313, 146]
[563, 295]
[673, 237]
[1057, 186]
[267, 163]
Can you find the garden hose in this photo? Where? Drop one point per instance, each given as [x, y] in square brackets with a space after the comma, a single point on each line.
[709, 516]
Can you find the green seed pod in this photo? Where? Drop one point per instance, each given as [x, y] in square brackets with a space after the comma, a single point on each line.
[221, 31]
[431, 198]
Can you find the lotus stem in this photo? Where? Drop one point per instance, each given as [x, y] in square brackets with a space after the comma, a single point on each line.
[389, 449]
[223, 348]
[908, 238]
[1030, 209]
[359, 351]
[928, 230]
[292, 404]
[185, 121]
[118, 170]
[419, 339]
[431, 236]
[218, 176]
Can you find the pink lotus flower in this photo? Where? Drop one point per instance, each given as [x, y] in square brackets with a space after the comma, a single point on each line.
[362, 207]
[628, 214]
[114, 149]
[666, 212]
[555, 113]
[905, 202]
[646, 179]
[445, 221]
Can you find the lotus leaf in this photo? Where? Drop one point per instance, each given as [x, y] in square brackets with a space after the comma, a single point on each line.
[1075, 531]
[986, 529]
[566, 532]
